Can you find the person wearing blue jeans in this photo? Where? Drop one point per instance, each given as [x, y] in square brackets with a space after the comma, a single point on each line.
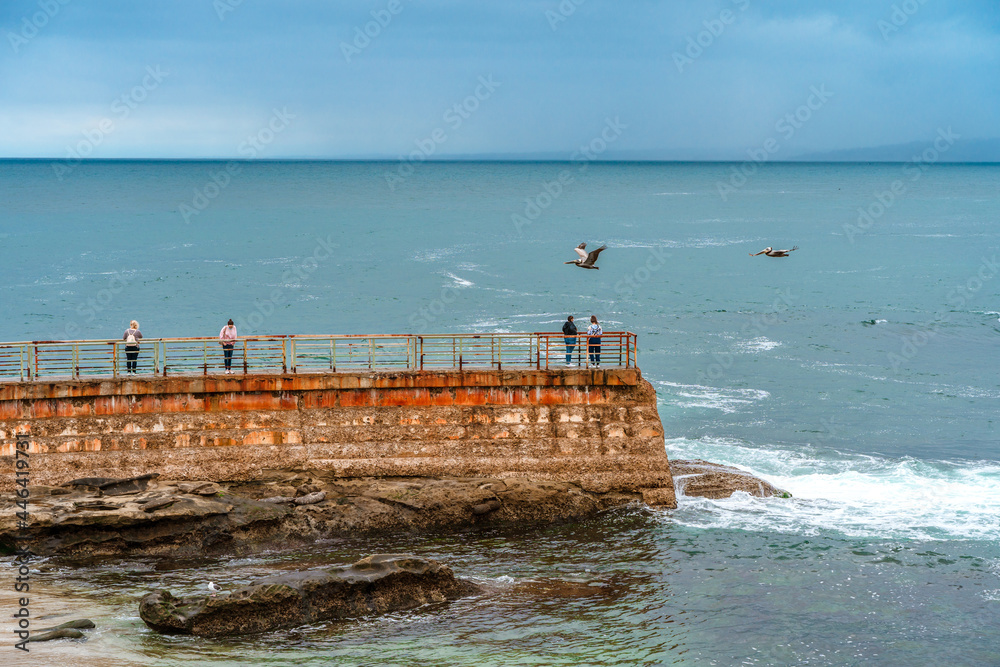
[228, 339]
[569, 329]
[594, 333]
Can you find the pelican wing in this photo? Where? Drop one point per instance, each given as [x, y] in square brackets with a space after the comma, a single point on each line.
[592, 257]
[581, 252]
[790, 249]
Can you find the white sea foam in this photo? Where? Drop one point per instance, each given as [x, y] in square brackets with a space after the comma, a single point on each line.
[435, 254]
[759, 344]
[461, 282]
[728, 400]
[848, 494]
[687, 243]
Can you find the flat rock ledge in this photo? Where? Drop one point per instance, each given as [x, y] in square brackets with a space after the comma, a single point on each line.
[712, 480]
[285, 509]
[374, 585]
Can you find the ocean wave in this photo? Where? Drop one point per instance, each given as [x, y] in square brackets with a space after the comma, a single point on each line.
[435, 254]
[759, 344]
[689, 243]
[460, 282]
[852, 495]
[728, 400]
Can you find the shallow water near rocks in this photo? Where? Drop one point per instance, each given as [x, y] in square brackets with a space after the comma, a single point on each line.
[631, 587]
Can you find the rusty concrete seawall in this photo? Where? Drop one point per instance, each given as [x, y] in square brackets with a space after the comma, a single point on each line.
[598, 427]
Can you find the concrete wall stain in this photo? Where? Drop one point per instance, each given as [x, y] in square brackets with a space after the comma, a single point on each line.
[597, 427]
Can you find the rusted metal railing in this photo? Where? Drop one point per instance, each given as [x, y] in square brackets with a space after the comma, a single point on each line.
[24, 361]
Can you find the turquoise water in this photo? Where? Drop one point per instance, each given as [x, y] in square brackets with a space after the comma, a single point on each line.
[858, 374]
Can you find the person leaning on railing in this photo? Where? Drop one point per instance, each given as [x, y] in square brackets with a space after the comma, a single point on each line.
[132, 336]
[569, 330]
[594, 333]
[227, 337]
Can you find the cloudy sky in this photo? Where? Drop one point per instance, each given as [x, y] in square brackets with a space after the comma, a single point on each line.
[380, 78]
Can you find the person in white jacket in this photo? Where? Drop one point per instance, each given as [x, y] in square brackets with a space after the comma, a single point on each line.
[227, 337]
[594, 333]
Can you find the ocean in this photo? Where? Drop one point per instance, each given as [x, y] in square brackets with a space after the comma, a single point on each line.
[855, 373]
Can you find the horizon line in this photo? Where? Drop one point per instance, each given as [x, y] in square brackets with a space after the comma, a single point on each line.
[511, 160]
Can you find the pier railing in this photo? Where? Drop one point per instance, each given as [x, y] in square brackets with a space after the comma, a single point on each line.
[315, 354]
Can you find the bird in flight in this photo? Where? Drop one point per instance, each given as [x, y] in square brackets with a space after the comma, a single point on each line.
[771, 252]
[587, 260]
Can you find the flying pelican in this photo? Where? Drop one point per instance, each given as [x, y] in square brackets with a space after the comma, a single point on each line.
[587, 260]
[771, 252]
[212, 587]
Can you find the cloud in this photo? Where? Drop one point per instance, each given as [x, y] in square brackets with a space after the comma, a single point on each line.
[605, 59]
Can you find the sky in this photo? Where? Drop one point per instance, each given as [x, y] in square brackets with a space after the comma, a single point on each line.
[623, 79]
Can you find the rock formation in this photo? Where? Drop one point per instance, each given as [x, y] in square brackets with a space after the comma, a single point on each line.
[166, 520]
[374, 585]
[712, 480]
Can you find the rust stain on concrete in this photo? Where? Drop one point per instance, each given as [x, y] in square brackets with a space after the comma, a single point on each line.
[599, 427]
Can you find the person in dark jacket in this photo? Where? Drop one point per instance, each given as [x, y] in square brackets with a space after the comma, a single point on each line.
[132, 336]
[569, 329]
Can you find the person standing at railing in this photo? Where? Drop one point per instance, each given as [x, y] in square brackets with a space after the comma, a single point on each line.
[132, 336]
[227, 337]
[569, 329]
[594, 333]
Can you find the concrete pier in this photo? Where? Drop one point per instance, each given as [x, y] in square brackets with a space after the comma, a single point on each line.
[598, 427]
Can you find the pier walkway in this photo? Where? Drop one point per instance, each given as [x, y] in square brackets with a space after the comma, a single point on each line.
[297, 354]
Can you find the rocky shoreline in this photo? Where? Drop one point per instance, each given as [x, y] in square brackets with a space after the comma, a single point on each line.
[285, 509]
[146, 516]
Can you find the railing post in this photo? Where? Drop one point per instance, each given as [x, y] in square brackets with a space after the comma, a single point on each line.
[204, 357]
[245, 365]
[284, 357]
